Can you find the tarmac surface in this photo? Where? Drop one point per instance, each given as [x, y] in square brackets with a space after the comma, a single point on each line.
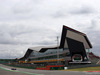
[6, 70]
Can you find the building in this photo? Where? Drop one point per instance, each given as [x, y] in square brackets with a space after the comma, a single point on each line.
[74, 48]
[94, 58]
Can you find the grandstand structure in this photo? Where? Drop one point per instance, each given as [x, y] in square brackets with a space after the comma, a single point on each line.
[74, 48]
[94, 59]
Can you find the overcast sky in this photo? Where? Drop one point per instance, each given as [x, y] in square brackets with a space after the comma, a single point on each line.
[29, 23]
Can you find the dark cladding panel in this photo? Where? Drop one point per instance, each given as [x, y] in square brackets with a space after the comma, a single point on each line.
[63, 37]
[29, 51]
[76, 47]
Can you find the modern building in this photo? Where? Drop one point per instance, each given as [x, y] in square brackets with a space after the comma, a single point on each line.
[74, 48]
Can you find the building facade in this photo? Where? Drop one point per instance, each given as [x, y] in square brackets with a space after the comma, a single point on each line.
[74, 48]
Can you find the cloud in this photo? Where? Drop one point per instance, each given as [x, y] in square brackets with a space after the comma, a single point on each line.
[16, 51]
[23, 8]
[74, 10]
[82, 10]
[28, 23]
[93, 34]
[96, 24]
[25, 34]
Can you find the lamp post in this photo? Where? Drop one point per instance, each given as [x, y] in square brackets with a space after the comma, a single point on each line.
[57, 50]
[9, 57]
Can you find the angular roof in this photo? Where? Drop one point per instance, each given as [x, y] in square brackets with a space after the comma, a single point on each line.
[68, 32]
[39, 49]
[42, 48]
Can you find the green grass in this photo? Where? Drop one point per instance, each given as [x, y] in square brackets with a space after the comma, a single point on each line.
[85, 69]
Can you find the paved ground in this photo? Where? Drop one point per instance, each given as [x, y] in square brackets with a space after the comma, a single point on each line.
[6, 70]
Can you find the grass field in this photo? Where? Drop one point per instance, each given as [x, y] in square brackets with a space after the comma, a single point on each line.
[85, 69]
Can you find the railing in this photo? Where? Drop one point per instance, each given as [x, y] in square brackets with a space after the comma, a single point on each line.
[49, 60]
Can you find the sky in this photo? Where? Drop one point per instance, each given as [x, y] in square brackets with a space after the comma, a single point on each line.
[30, 23]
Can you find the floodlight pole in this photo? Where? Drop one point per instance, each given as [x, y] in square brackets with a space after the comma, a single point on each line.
[9, 57]
[57, 50]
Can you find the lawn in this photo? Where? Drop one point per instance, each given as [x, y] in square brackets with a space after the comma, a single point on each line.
[85, 69]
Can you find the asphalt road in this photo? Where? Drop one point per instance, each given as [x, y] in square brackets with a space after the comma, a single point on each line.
[6, 70]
